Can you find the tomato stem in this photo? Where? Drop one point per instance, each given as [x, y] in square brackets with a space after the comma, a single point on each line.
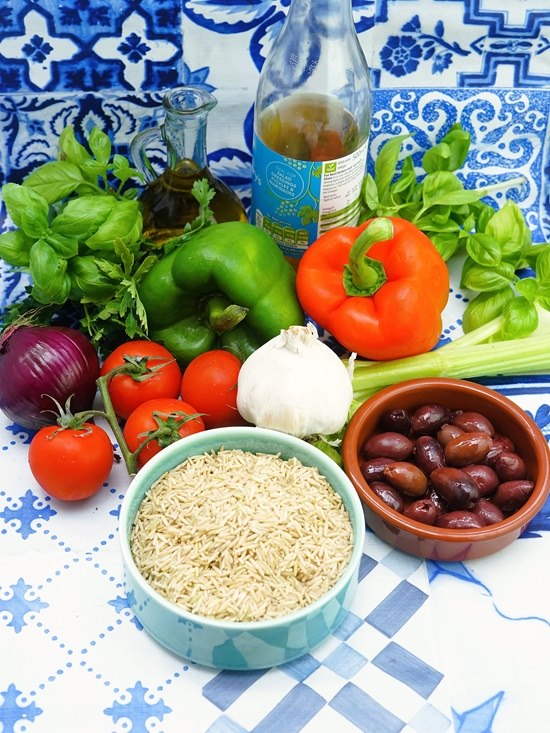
[130, 459]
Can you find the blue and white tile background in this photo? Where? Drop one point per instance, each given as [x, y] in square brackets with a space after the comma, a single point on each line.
[420, 634]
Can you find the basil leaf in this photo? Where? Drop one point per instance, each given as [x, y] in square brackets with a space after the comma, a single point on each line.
[443, 187]
[484, 307]
[82, 217]
[406, 182]
[483, 249]
[369, 193]
[484, 279]
[509, 229]
[124, 222]
[520, 318]
[543, 297]
[431, 223]
[70, 149]
[542, 272]
[28, 210]
[88, 284]
[385, 164]
[482, 214]
[542, 266]
[122, 169]
[48, 272]
[15, 247]
[528, 287]
[440, 215]
[446, 243]
[62, 245]
[450, 153]
[100, 145]
[56, 293]
[92, 169]
[54, 180]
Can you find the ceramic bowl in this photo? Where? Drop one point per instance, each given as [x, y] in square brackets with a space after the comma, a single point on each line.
[232, 644]
[430, 541]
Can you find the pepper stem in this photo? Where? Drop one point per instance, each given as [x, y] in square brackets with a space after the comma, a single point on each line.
[222, 315]
[364, 275]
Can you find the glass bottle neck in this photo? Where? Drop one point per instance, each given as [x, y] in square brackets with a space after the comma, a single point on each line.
[328, 18]
[184, 128]
[185, 138]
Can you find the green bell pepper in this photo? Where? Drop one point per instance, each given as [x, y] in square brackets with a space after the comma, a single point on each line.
[227, 286]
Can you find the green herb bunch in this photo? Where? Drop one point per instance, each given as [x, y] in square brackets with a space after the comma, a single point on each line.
[495, 243]
[79, 236]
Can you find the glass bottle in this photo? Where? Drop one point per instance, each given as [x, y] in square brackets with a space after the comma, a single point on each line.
[168, 203]
[311, 126]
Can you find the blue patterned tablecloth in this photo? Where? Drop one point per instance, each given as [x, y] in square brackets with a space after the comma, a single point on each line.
[427, 647]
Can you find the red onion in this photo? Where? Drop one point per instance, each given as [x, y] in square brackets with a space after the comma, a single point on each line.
[39, 362]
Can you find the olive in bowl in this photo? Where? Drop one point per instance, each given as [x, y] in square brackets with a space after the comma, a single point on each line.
[485, 466]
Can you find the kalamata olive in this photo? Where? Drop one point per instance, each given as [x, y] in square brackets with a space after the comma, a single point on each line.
[427, 420]
[511, 495]
[447, 432]
[485, 477]
[500, 443]
[460, 519]
[428, 454]
[436, 499]
[373, 468]
[388, 494]
[455, 487]
[467, 448]
[509, 466]
[389, 445]
[474, 422]
[397, 420]
[490, 512]
[422, 510]
[406, 477]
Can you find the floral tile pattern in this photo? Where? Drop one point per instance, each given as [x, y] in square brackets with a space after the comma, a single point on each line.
[90, 45]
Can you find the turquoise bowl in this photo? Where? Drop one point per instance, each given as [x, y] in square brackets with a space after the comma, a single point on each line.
[238, 645]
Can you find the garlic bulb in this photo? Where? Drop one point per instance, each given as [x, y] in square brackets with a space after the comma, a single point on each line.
[296, 384]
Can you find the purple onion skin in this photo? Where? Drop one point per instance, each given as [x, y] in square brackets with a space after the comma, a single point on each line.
[39, 362]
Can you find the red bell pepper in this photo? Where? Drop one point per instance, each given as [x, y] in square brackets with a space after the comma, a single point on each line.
[378, 288]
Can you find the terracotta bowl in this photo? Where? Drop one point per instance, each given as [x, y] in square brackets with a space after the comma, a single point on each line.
[434, 542]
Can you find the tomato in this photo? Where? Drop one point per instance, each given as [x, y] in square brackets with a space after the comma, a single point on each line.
[169, 418]
[210, 383]
[126, 391]
[71, 463]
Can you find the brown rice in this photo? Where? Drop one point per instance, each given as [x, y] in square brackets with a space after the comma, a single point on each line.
[241, 536]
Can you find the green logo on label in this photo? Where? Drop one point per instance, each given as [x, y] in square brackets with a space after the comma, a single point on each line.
[330, 167]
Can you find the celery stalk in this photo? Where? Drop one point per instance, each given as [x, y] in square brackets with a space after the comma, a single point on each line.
[466, 357]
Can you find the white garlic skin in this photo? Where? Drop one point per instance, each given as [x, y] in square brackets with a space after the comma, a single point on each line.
[296, 384]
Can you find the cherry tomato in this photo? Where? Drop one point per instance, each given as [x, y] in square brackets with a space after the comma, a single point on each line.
[210, 383]
[169, 416]
[126, 391]
[71, 463]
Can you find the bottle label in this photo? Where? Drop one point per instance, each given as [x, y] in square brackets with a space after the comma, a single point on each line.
[295, 201]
